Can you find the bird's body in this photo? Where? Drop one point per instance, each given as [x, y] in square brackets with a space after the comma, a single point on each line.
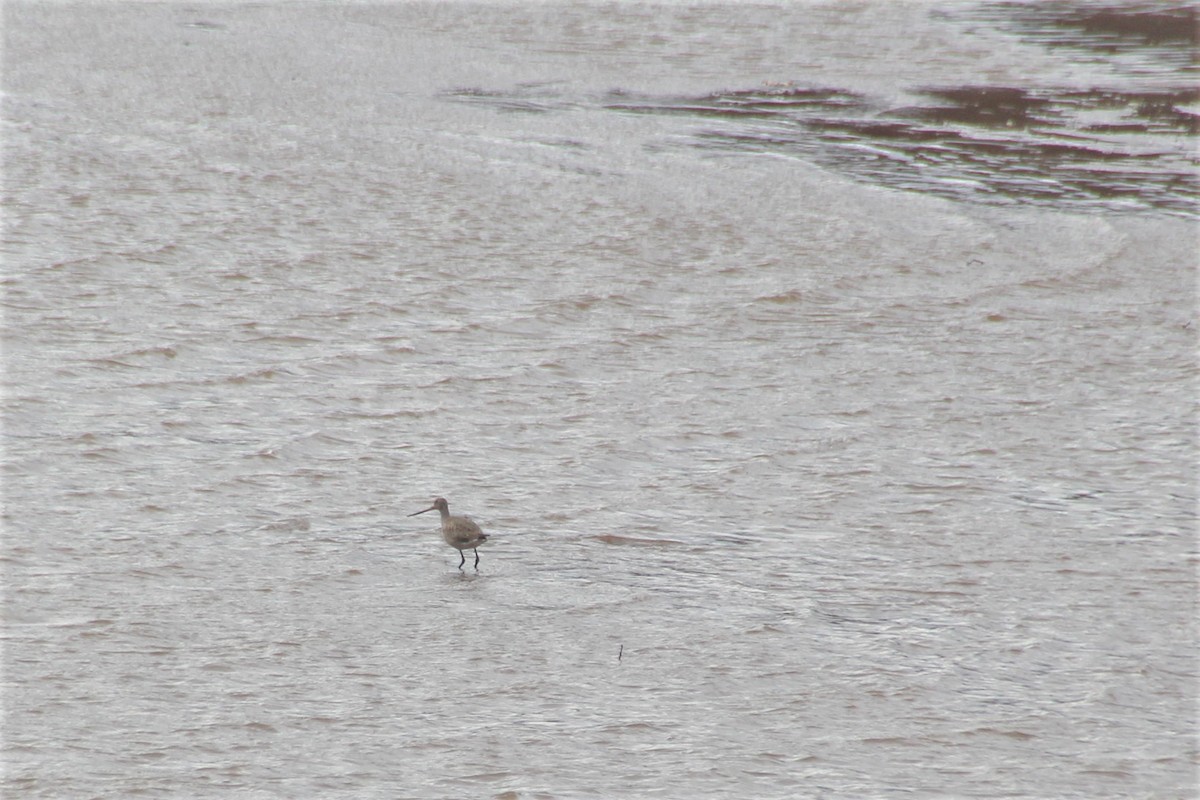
[459, 532]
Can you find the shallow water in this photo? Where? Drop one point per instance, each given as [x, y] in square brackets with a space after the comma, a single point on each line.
[807, 474]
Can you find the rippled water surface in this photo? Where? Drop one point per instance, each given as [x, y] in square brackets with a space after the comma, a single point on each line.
[823, 373]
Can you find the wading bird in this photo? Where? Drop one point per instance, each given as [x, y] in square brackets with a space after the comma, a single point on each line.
[459, 532]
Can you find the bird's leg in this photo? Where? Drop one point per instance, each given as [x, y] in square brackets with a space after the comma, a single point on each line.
[464, 559]
[476, 558]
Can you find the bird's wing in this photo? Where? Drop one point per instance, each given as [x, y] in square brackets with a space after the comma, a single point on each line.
[465, 530]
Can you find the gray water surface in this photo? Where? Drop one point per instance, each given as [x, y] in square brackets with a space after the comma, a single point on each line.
[804, 478]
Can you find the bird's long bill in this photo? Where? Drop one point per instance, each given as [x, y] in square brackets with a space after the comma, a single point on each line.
[431, 508]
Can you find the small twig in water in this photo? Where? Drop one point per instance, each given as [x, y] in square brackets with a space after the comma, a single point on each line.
[620, 653]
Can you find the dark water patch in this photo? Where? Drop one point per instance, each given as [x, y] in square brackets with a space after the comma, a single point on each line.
[1125, 146]
[1135, 35]
[996, 107]
[1082, 148]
